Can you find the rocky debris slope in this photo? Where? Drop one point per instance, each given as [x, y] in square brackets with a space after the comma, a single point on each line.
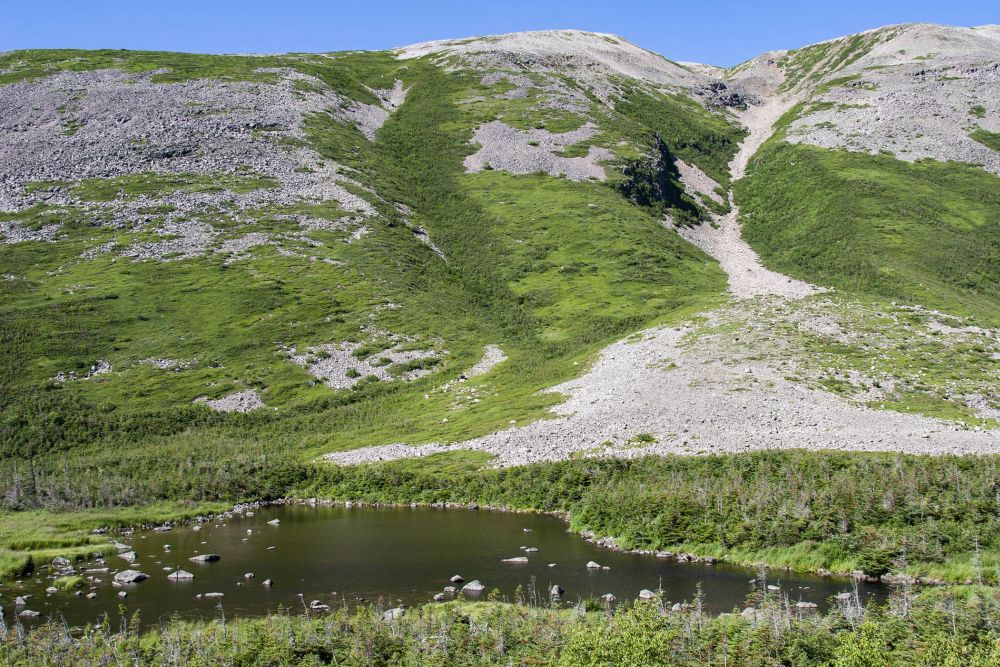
[672, 391]
[196, 147]
[919, 92]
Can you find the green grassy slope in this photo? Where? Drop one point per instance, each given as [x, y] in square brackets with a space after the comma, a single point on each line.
[549, 269]
[923, 233]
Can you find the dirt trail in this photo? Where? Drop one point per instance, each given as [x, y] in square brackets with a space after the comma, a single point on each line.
[722, 239]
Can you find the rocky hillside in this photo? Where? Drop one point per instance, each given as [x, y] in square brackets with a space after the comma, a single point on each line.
[213, 264]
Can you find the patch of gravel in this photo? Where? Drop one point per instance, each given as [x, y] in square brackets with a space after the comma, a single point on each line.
[243, 401]
[99, 367]
[338, 367]
[169, 364]
[13, 232]
[692, 399]
[492, 357]
[529, 151]
[697, 182]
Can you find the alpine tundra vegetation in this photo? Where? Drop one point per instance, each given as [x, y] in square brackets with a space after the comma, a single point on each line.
[749, 313]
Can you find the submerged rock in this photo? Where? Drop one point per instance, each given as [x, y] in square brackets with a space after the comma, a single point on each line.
[205, 558]
[591, 565]
[516, 559]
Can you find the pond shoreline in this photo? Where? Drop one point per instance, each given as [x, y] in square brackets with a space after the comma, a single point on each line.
[604, 542]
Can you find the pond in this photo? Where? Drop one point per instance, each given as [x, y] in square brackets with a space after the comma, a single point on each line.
[341, 555]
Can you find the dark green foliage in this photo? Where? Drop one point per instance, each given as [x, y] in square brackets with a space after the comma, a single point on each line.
[841, 511]
[655, 184]
[954, 628]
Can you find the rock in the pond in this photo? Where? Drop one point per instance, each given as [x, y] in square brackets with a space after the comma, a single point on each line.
[802, 604]
[552, 564]
[128, 556]
[214, 595]
[677, 606]
[180, 575]
[591, 565]
[608, 598]
[556, 591]
[274, 522]
[123, 594]
[474, 586]
[51, 589]
[393, 614]
[129, 577]
[457, 579]
[450, 590]
[440, 597]
[317, 605]
[772, 588]
[646, 594]
[248, 575]
[91, 595]
[516, 559]
[530, 550]
[527, 530]
[267, 582]
[205, 558]
[28, 613]
[119, 547]
[60, 562]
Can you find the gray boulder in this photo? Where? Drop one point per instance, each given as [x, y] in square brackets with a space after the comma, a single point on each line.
[393, 614]
[474, 586]
[130, 577]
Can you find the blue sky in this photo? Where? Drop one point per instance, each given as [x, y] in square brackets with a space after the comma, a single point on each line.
[720, 33]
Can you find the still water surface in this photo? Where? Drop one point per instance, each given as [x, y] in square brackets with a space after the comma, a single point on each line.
[337, 555]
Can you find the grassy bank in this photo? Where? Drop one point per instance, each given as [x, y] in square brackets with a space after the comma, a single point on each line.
[936, 628]
[30, 538]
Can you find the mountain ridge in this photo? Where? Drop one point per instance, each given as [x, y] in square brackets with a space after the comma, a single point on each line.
[338, 239]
